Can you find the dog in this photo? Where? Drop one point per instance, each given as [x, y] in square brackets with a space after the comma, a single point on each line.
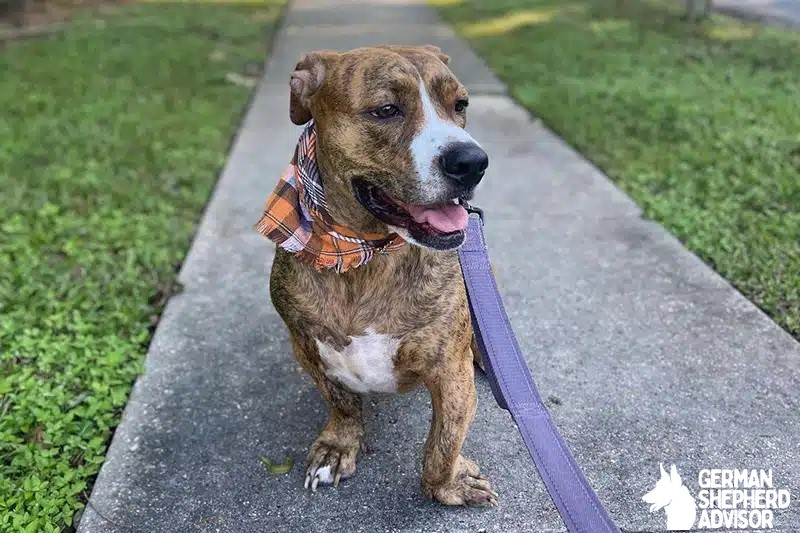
[672, 495]
[366, 275]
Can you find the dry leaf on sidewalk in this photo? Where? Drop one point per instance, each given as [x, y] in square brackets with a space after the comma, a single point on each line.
[280, 468]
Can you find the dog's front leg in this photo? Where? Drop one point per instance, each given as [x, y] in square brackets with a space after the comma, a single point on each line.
[447, 476]
[332, 457]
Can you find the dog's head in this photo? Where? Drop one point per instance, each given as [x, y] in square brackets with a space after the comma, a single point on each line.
[391, 141]
[666, 489]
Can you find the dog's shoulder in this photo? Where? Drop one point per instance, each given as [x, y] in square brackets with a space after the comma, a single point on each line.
[417, 284]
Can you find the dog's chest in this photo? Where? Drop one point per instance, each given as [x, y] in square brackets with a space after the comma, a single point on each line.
[365, 365]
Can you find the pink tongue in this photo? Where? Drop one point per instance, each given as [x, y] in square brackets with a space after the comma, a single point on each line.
[443, 218]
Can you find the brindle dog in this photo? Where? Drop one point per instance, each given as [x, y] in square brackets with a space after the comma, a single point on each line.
[395, 158]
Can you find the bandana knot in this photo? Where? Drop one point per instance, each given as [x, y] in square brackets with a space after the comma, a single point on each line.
[296, 217]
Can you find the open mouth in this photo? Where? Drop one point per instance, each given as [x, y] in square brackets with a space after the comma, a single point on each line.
[438, 226]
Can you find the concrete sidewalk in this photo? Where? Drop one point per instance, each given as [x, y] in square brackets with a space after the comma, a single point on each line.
[645, 354]
[782, 13]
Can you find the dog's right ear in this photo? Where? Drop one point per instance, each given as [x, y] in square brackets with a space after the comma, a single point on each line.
[307, 78]
[435, 50]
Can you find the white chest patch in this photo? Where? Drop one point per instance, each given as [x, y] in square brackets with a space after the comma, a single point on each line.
[365, 365]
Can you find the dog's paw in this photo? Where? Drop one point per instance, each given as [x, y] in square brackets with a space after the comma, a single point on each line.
[465, 490]
[468, 487]
[329, 463]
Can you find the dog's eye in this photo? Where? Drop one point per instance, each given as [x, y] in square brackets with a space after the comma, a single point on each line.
[461, 105]
[386, 111]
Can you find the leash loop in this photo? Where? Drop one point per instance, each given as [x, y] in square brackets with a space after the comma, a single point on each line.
[471, 209]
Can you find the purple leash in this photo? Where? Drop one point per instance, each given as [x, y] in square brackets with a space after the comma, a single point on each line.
[515, 391]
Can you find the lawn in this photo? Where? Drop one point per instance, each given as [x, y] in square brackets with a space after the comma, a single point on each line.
[698, 123]
[111, 139]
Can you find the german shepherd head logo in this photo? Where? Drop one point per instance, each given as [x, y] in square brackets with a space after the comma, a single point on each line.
[672, 495]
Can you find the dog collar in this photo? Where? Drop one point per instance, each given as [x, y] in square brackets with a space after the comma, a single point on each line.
[296, 217]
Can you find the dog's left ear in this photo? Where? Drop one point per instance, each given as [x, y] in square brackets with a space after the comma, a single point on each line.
[444, 58]
[307, 78]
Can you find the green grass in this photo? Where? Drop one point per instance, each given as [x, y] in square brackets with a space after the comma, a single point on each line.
[700, 124]
[111, 139]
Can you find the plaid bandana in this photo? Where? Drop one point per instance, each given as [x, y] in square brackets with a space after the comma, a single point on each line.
[296, 217]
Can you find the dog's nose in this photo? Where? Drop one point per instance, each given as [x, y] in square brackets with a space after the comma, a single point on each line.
[464, 163]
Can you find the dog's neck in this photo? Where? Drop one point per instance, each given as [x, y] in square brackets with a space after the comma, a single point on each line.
[297, 217]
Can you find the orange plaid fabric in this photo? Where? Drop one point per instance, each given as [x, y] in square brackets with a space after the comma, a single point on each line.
[296, 217]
